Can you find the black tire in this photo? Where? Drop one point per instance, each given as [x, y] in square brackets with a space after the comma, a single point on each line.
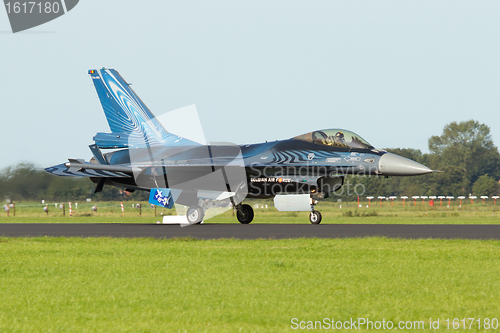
[315, 217]
[245, 214]
[194, 215]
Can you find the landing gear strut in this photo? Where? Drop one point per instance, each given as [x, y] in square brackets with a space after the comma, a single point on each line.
[244, 213]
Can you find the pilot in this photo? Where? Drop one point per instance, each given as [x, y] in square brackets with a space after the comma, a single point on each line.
[338, 139]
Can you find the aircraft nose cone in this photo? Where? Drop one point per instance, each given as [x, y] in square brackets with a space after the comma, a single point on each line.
[394, 165]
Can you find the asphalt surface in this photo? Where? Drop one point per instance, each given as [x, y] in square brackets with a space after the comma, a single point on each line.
[251, 231]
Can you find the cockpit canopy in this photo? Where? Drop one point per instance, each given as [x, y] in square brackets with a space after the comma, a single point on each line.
[335, 138]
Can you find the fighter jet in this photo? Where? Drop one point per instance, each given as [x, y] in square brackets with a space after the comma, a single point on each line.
[140, 154]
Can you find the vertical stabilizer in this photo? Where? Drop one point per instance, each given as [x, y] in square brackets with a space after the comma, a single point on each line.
[130, 120]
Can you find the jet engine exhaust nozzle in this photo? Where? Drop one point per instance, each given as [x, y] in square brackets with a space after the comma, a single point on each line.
[394, 165]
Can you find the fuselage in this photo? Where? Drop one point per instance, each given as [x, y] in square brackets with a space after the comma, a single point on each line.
[278, 167]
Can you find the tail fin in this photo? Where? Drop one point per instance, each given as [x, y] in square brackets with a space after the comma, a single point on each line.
[130, 120]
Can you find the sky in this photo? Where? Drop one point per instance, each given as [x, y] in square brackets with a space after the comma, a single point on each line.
[395, 72]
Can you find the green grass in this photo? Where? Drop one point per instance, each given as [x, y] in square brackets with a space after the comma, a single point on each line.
[110, 212]
[148, 285]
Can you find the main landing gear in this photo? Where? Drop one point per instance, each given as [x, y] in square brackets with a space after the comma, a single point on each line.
[195, 214]
[244, 213]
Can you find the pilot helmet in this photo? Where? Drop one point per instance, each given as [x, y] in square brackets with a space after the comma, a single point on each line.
[339, 135]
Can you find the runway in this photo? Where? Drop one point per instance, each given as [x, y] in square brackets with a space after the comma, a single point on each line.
[252, 231]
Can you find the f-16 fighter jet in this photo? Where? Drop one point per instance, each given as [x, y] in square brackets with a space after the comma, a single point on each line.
[140, 154]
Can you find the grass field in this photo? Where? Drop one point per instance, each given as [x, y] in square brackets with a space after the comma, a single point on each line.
[345, 212]
[183, 285]
[187, 285]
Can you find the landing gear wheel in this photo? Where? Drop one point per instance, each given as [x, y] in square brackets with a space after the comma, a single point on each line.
[315, 217]
[245, 214]
[194, 215]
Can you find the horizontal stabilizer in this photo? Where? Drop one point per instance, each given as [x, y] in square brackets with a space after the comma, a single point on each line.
[74, 171]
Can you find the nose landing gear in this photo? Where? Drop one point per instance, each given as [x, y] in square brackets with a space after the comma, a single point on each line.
[315, 217]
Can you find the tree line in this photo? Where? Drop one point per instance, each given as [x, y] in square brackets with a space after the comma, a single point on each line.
[464, 152]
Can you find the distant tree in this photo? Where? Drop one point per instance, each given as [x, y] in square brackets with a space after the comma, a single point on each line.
[466, 149]
[486, 185]
[23, 181]
[453, 181]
